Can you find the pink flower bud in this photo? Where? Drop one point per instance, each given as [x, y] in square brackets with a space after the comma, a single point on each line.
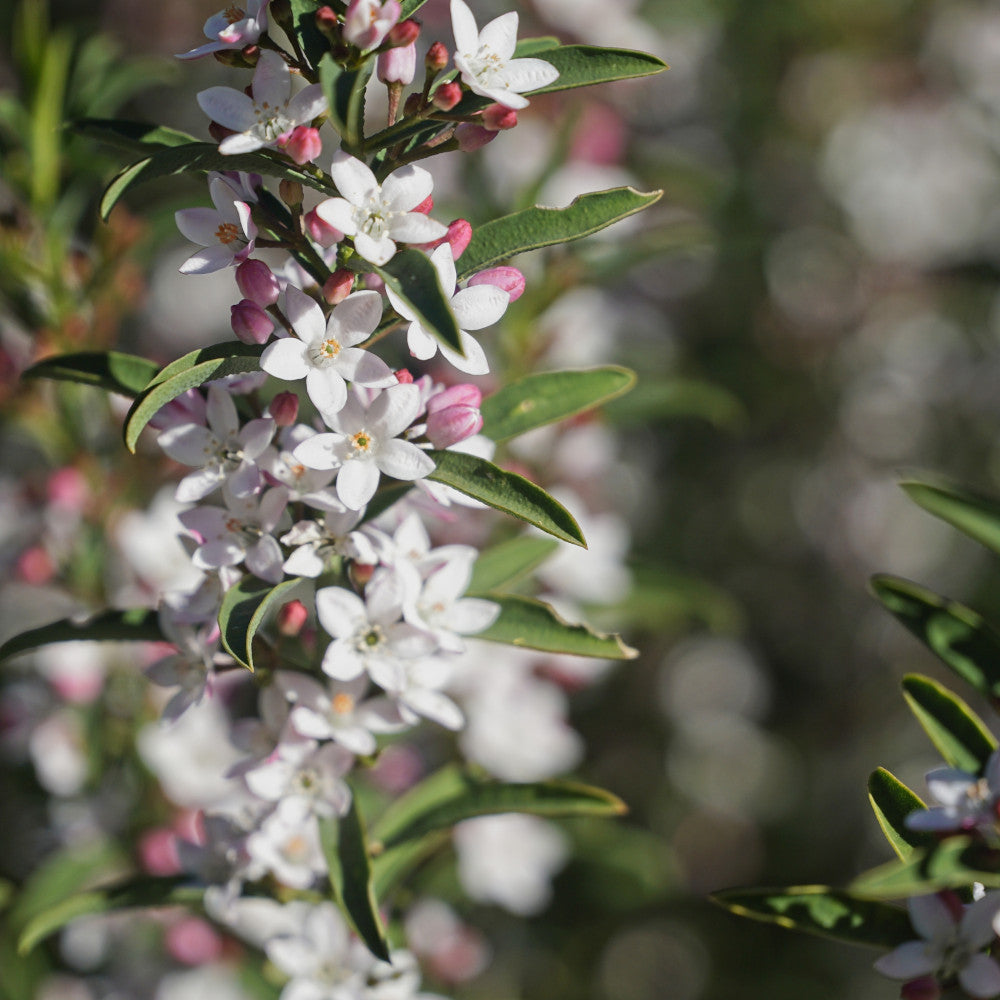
[403, 376]
[404, 33]
[67, 489]
[34, 566]
[373, 283]
[250, 323]
[446, 96]
[257, 283]
[338, 286]
[448, 425]
[458, 236]
[473, 137]
[158, 852]
[303, 144]
[328, 22]
[193, 941]
[509, 279]
[436, 58]
[292, 617]
[497, 118]
[463, 394]
[366, 23]
[398, 65]
[284, 409]
[321, 232]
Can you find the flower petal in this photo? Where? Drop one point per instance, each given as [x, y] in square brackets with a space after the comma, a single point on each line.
[230, 108]
[354, 180]
[479, 306]
[463, 26]
[403, 460]
[355, 319]
[339, 213]
[286, 359]
[305, 315]
[908, 961]
[500, 35]
[357, 482]
[407, 187]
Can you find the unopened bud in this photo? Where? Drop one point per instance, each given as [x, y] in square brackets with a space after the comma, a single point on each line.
[463, 394]
[436, 58]
[292, 617]
[413, 104]
[250, 323]
[320, 231]
[284, 409]
[404, 33]
[403, 376]
[361, 573]
[303, 145]
[233, 58]
[257, 282]
[453, 424]
[458, 236]
[328, 23]
[510, 279]
[338, 286]
[398, 65]
[498, 118]
[447, 96]
[473, 137]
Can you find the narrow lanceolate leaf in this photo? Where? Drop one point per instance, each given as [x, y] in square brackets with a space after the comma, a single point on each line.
[532, 624]
[955, 863]
[189, 372]
[818, 909]
[452, 795]
[509, 562]
[533, 228]
[344, 90]
[197, 157]
[243, 611]
[131, 137]
[126, 374]
[961, 637]
[976, 516]
[411, 275]
[133, 625]
[349, 861]
[506, 491]
[547, 397]
[140, 892]
[959, 734]
[311, 40]
[892, 802]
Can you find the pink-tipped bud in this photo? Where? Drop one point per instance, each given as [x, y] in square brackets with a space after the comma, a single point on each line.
[473, 137]
[257, 283]
[328, 22]
[67, 489]
[338, 286]
[193, 941]
[447, 96]
[459, 235]
[284, 409]
[452, 424]
[425, 207]
[34, 566]
[250, 323]
[292, 617]
[404, 33]
[361, 573]
[158, 852]
[497, 118]
[509, 279]
[463, 394]
[398, 65]
[437, 58]
[319, 231]
[302, 144]
[403, 376]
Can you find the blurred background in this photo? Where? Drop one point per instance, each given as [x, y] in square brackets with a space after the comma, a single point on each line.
[813, 308]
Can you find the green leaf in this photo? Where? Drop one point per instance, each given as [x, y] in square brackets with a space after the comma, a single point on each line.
[962, 638]
[198, 157]
[534, 46]
[976, 516]
[409, 7]
[506, 491]
[185, 373]
[129, 136]
[141, 892]
[411, 275]
[818, 909]
[954, 863]
[547, 397]
[345, 97]
[349, 861]
[533, 228]
[892, 802]
[126, 374]
[959, 734]
[133, 625]
[532, 624]
[507, 563]
[312, 41]
[585, 65]
[244, 608]
[452, 794]
[676, 399]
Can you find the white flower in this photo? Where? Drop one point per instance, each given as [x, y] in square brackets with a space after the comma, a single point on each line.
[270, 114]
[485, 58]
[474, 307]
[367, 22]
[317, 543]
[310, 776]
[364, 443]
[311, 486]
[376, 216]
[324, 352]
[232, 28]
[967, 801]
[227, 232]
[287, 843]
[951, 945]
[223, 451]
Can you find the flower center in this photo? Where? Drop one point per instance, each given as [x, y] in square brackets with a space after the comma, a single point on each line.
[370, 640]
[228, 232]
[342, 703]
[326, 351]
[361, 442]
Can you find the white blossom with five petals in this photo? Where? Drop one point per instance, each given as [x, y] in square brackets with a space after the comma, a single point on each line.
[226, 232]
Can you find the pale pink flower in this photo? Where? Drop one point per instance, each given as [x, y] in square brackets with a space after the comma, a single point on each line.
[367, 22]
[232, 28]
[226, 232]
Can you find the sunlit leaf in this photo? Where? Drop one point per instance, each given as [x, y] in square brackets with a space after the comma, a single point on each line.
[505, 564]
[244, 609]
[892, 802]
